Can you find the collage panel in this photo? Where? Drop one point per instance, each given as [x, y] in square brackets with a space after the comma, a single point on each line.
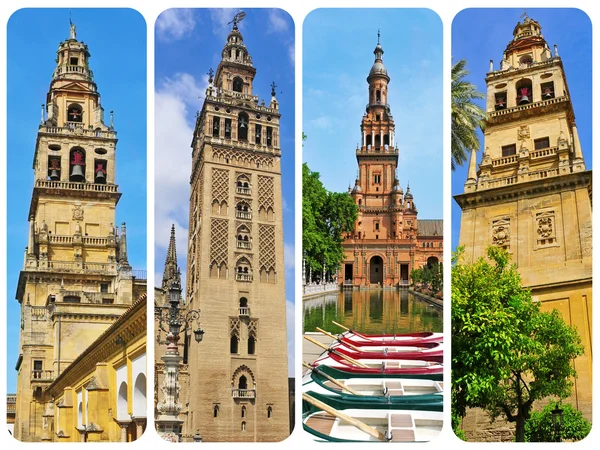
[522, 225]
[372, 268]
[224, 183]
[76, 334]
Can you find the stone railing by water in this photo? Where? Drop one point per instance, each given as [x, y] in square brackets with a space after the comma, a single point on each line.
[314, 288]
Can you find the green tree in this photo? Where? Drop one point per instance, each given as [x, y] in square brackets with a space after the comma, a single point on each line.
[326, 217]
[467, 116]
[506, 352]
[540, 428]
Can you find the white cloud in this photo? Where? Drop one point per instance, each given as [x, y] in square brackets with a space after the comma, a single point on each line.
[173, 101]
[290, 309]
[277, 22]
[173, 24]
[292, 53]
[289, 256]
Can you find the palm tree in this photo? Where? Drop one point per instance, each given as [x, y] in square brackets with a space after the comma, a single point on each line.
[466, 115]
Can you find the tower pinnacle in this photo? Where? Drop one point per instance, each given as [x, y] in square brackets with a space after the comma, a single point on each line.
[171, 273]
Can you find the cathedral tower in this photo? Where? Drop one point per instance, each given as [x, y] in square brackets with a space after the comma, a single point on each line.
[235, 273]
[388, 241]
[76, 280]
[531, 194]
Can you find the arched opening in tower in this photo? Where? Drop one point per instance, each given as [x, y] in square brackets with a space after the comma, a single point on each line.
[376, 270]
[243, 126]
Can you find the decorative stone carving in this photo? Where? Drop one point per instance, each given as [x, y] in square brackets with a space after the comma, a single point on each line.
[501, 232]
[523, 133]
[545, 229]
[78, 212]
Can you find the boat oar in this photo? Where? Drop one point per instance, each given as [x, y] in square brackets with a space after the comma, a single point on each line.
[346, 418]
[341, 355]
[341, 326]
[333, 380]
[353, 347]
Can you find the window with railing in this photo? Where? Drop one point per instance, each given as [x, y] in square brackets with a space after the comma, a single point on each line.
[541, 143]
[509, 150]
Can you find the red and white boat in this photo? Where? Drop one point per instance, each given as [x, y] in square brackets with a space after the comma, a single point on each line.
[362, 340]
[391, 353]
[381, 365]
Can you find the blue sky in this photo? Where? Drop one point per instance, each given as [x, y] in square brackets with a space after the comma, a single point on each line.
[189, 42]
[337, 55]
[117, 42]
[493, 28]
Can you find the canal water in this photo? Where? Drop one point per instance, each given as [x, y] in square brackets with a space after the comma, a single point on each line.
[372, 311]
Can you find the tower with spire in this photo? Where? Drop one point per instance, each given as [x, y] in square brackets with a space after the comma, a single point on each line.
[531, 192]
[388, 240]
[235, 269]
[76, 279]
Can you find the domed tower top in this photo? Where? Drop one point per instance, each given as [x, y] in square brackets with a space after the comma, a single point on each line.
[378, 69]
[235, 50]
[235, 72]
[72, 60]
[527, 46]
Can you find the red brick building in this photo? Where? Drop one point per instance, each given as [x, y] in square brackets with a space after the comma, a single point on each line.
[388, 240]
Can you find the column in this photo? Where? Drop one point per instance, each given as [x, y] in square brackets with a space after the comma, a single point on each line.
[364, 137]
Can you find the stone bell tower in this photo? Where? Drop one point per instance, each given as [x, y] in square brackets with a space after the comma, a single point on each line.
[531, 194]
[76, 279]
[235, 272]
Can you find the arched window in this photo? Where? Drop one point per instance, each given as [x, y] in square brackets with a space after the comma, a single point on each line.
[243, 382]
[378, 96]
[216, 411]
[257, 134]
[100, 166]
[243, 126]
[251, 345]
[243, 302]
[139, 396]
[369, 140]
[238, 83]
[233, 345]
[74, 113]
[122, 402]
[243, 426]
[377, 141]
[77, 164]
[216, 126]
[269, 412]
[243, 412]
[524, 91]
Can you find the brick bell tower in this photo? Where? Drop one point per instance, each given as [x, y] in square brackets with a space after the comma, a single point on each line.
[76, 280]
[385, 244]
[531, 193]
[235, 273]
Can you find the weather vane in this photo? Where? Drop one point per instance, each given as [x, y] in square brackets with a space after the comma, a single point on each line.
[210, 75]
[237, 18]
[524, 15]
[378, 34]
[273, 86]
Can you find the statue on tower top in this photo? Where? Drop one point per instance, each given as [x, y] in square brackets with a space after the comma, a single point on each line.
[72, 29]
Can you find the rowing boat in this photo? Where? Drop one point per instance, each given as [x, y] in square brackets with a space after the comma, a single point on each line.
[432, 351]
[336, 420]
[385, 366]
[374, 388]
